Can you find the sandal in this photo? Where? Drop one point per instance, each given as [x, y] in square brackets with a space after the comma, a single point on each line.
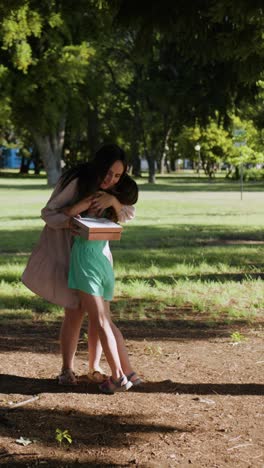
[67, 377]
[97, 376]
[110, 386]
[136, 381]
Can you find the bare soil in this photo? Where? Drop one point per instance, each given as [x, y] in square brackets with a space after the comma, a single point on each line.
[201, 403]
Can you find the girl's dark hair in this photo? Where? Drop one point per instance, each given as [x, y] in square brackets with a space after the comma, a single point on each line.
[126, 191]
[91, 174]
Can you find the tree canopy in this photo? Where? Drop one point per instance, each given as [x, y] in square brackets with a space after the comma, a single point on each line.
[74, 74]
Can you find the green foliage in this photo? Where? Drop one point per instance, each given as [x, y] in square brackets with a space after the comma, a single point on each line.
[215, 143]
[49, 61]
[253, 174]
[17, 27]
[140, 85]
[240, 144]
[237, 337]
[63, 436]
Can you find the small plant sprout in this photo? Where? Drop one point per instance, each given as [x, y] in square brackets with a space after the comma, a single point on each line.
[237, 337]
[62, 436]
[85, 337]
[152, 350]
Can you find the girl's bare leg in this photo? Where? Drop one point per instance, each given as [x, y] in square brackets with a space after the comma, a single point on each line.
[99, 315]
[94, 346]
[69, 336]
[122, 351]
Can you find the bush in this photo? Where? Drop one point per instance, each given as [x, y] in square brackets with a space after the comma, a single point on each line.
[253, 174]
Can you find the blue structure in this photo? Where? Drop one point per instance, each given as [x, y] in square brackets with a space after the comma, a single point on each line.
[10, 158]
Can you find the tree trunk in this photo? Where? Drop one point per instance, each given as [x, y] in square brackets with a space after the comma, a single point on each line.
[135, 138]
[135, 160]
[163, 160]
[173, 165]
[136, 165]
[50, 149]
[93, 129]
[51, 159]
[24, 165]
[237, 172]
[152, 169]
[36, 160]
[150, 158]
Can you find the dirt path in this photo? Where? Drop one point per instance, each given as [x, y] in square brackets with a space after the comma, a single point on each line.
[201, 403]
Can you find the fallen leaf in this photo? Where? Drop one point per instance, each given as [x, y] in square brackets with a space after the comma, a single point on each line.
[23, 441]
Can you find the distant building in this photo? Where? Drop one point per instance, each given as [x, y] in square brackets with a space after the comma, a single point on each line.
[10, 158]
[180, 164]
[144, 164]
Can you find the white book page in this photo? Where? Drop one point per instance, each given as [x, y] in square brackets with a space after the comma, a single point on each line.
[98, 222]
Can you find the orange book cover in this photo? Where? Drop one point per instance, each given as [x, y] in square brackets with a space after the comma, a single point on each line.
[98, 228]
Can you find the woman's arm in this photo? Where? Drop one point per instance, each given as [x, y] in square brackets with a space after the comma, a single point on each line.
[52, 213]
[79, 207]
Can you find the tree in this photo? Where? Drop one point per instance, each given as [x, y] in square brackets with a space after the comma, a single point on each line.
[45, 53]
[67, 68]
[247, 144]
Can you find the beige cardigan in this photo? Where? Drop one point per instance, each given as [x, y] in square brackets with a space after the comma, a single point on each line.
[46, 273]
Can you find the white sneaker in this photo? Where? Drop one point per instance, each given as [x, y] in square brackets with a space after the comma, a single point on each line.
[111, 386]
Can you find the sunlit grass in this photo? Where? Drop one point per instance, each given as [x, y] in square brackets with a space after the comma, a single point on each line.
[231, 299]
[194, 244]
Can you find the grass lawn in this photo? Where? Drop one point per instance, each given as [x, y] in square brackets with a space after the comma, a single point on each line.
[189, 301]
[195, 247]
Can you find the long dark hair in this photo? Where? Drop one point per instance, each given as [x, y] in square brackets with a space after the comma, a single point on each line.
[90, 175]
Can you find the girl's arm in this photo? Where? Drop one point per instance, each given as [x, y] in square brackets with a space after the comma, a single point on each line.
[103, 200]
[126, 213]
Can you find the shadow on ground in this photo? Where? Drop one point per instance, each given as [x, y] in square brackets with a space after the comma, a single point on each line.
[164, 238]
[33, 386]
[90, 433]
[40, 337]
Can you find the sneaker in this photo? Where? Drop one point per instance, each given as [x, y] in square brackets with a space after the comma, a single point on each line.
[67, 377]
[97, 376]
[110, 386]
[134, 379]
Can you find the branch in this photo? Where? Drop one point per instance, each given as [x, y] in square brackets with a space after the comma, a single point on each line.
[120, 88]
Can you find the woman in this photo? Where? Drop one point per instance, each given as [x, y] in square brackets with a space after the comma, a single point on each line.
[47, 270]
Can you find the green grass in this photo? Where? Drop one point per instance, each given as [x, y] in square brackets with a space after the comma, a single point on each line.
[194, 248]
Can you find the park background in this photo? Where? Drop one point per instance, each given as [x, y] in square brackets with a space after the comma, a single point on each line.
[171, 83]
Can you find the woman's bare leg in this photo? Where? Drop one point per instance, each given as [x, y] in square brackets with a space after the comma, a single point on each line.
[99, 315]
[69, 336]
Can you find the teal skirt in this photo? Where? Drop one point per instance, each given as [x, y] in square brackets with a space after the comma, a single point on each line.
[90, 270]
